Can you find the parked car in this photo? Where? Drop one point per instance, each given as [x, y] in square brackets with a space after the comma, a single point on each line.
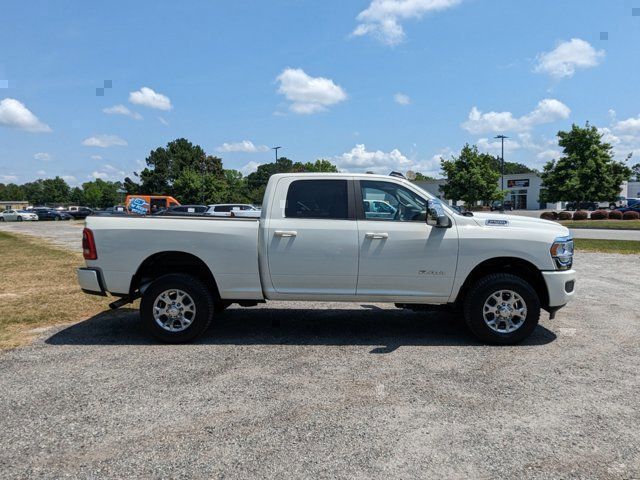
[51, 214]
[184, 210]
[149, 204]
[233, 210]
[379, 209]
[17, 216]
[79, 213]
[612, 205]
[499, 205]
[581, 206]
[315, 242]
[631, 208]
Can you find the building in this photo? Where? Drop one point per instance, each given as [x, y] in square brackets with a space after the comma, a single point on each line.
[13, 205]
[524, 191]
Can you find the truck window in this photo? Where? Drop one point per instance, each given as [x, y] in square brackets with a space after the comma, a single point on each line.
[325, 199]
[391, 202]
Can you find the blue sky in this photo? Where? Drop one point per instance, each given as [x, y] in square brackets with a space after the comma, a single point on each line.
[370, 85]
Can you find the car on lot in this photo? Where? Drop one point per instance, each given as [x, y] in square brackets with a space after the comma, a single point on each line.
[184, 210]
[499, 205]
[630, 208]
[379, 209]
[17, 216]
[79, 213]
[51, 214]
[315, 241]
[233, 210]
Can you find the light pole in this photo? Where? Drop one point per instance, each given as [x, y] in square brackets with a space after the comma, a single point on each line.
[276, 150]
[502, 137]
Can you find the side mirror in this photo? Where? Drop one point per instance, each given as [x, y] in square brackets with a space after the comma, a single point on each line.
[436, 216]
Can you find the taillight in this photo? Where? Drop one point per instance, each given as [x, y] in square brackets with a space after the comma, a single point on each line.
[89, 251]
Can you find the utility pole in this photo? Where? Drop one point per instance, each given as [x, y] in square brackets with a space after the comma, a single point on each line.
[276, 150]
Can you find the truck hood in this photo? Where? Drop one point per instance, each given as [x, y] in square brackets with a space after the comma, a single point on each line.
[500, 220]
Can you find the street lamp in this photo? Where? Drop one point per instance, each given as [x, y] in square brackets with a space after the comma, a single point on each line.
[502, 137]
[276, 150]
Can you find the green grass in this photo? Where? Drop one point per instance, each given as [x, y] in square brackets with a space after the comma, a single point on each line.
[38, 288]
[607, 246]
[607, 224]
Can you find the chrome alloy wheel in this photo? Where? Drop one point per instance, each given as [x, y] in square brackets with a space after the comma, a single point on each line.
[174, 310]
[504, 311]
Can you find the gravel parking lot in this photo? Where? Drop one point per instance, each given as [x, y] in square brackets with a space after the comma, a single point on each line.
[337, 391]
[66, 234]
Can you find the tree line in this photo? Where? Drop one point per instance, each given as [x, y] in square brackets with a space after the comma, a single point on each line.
[585, 170]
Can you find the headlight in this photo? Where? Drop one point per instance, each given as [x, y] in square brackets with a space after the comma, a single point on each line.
[562, 252]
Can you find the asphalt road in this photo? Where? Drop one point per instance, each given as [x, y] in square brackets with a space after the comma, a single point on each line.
[338, 391]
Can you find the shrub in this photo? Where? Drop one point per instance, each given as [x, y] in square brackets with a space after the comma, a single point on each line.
[599, 215]
[615, 215]
[548, 215]
[630, 215]
[565, 216]
[580, 215]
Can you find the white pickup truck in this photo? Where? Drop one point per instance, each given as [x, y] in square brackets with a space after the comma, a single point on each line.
[317, 240]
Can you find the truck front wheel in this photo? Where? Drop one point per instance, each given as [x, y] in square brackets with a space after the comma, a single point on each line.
[176, 308]
[502, 308]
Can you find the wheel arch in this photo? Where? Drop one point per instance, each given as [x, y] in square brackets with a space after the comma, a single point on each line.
[513, 265]
[162, 263]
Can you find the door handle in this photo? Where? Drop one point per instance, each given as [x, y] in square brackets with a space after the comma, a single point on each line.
[376, 236]
[286, 233]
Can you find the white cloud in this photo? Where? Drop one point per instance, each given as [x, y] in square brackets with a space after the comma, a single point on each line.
[69, 178]
[42, 173]
[547, 111]
[546, 155]
[402, 99]
[104, 141]
[8, 178]
[246, 146]
[359, 159]
[493, 145]
[14, 114]
[250, 168]
[148, 98]
[308, 94]
[163, 120]
[567, 57]
[382, 17]
[110, 169]
[100, 175]
[630, 125]
[96, 157]
[122, 110]
[43, 156]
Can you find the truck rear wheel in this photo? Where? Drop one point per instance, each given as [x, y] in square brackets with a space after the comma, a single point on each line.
[176, 308]
[502, 309]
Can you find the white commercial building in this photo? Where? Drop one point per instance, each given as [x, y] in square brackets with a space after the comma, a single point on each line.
[524, 191]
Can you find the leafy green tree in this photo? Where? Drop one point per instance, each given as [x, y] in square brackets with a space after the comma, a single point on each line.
[130, 186]
[11, 191]
[635, 172]
[470, 177]
[510, 168]
[236, 187]
[55, 190]
[76, 196]
[101, 193]
[320, 165]
[257, 181]
[419, 177]
[586, 171]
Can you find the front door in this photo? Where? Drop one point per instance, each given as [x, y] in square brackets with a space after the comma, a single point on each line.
[400, 255]
[313, 238]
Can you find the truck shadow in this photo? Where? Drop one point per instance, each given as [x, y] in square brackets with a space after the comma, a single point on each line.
[384, 330]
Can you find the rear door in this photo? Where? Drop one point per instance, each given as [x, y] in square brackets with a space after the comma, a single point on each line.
[312, 237]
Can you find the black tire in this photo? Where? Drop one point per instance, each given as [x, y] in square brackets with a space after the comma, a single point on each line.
[56, 218]
[612, 206]
[1, 219]
[475, 300]
[19, 219]
[202, 299]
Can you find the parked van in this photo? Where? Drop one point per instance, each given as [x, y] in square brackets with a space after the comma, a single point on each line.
[144, 204]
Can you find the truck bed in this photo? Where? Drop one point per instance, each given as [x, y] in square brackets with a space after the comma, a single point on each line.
[229, 246]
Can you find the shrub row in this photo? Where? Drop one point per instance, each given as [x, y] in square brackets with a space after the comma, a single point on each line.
[597, 215]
